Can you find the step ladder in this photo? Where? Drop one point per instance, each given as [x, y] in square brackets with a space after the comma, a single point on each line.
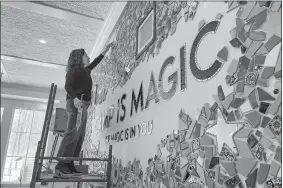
[39, 156]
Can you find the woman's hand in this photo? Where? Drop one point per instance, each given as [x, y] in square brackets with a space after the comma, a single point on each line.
[106, 48]
[86, 104]
[78, 103]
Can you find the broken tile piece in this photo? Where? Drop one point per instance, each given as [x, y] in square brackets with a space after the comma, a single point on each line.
[257, 35]
[240, 88]
[230, 167]
[252, 141]
[247, 10]
[272, 42]
[254, 118]
[278, 154]
[201, 24]
[275, 125]
[219, 16]
[253, 99]
[255, 46]
[232, 182]
[232, 67]
[263, 107]
[243, 133]
[258, 133]
[265, 142]
[267, 72]
[243, 149]
[268, 133]
[244, 166]
[259, 19]
[236, 43]
[278, 75]
[231, 117]
[262, 82]
[236, 103]
[214, 161]
[251, 180]
[264, 121]
[227, 153]
[259, 59]
[221, 95]
[228, 100]
[275, 105]
[263, 172]
[278, 66]
[262, 50]
[223, 54]
[274, 168]
[263, 95]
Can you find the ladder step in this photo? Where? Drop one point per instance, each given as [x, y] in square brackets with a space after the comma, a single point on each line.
[75, 159]
[73, 179]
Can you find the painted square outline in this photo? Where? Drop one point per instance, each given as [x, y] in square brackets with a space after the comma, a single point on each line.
[153, 38]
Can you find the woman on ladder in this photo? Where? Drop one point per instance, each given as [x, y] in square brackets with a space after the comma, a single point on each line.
[78, 86]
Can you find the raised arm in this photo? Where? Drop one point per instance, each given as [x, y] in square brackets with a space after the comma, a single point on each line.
[97, 60]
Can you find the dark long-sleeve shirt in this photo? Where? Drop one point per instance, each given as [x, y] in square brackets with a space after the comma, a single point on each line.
[78, 81]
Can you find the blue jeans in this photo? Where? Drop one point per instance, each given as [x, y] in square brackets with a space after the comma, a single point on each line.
[73, 139]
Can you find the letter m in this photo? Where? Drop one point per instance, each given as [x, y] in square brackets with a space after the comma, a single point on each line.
[135, 102]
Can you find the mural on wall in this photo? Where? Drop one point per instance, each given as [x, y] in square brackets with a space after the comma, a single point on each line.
[197, 154]
[168, 14]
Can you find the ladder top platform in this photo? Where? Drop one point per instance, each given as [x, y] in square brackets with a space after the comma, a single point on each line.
[81, 178]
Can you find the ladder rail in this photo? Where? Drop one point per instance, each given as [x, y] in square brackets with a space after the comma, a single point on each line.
[36, 160]
[46, 129]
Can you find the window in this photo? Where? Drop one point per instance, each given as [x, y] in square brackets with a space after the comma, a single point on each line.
[25, 133]
[146, 33]
[2, 110]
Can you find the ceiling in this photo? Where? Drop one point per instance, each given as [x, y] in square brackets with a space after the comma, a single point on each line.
[63, 26]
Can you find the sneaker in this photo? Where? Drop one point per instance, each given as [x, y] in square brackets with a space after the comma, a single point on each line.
[73, 169]
[62, 171]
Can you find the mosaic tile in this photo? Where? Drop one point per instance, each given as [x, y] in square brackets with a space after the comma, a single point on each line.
[243, 149]
[275, 125]
[267, 72]
[278, 75]
[247, 10]
[223, 54]
[272, 42]
[257, 35]
[214, 161]
[232, 182]
[254, 47]
[274, 168]
[228, 100]
[264, 95]
[243, 133]
[259, 20]
[226, 153]
[268, 133]
[258, 151]
[262, 50]
[278, 155]
[255, 11]
[263, 108]
[273, 182]
[251, 179]
[254, 118]
[240, 88]
[237, 102]
[251, 78]
[222, 178]
[252, 141]
[230, 167]
[265, 142]
[236, 43]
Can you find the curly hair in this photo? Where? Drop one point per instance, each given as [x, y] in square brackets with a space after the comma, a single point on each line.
[75, 59]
